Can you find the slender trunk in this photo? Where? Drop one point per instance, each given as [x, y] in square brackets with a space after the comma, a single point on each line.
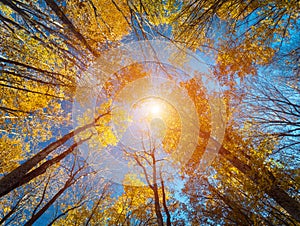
[11, 212]
[48, 204]
[160, 220]
[95, 207]
[9, 181]
[66, 21]
[291, 205]
[42, 169]
[165, 202]
[285, 201]
[232, 205]
[54, 75]
[65, 213]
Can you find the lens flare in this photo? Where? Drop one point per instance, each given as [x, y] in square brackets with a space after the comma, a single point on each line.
[152, 104]
[155, 109]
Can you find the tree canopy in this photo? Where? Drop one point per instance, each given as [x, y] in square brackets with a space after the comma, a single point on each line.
[146, 112]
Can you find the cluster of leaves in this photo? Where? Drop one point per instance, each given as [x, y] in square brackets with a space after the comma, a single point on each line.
[46, 46]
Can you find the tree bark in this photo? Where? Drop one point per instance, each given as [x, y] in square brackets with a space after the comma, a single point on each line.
[291, 205]
[48, 204]
[42, 169]
[66, 21]
[165, 202]
[160, 220]
[9, 181]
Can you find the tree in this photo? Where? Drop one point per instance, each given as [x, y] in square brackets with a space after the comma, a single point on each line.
[39, 64]
[46, 50]
[246, 155]
[233, 193]
[242, 35]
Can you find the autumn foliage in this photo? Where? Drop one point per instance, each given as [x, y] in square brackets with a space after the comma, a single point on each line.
[90, 137]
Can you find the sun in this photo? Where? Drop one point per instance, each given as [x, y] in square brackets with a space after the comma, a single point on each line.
[155, 109]
[149, 108]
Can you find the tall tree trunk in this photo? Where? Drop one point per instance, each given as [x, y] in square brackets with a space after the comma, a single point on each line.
[42, 168]
[66, 21]
[232, 205]
[9, 181]
[291, 205]
[160, 220]
[36, 216]
[164, 201]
